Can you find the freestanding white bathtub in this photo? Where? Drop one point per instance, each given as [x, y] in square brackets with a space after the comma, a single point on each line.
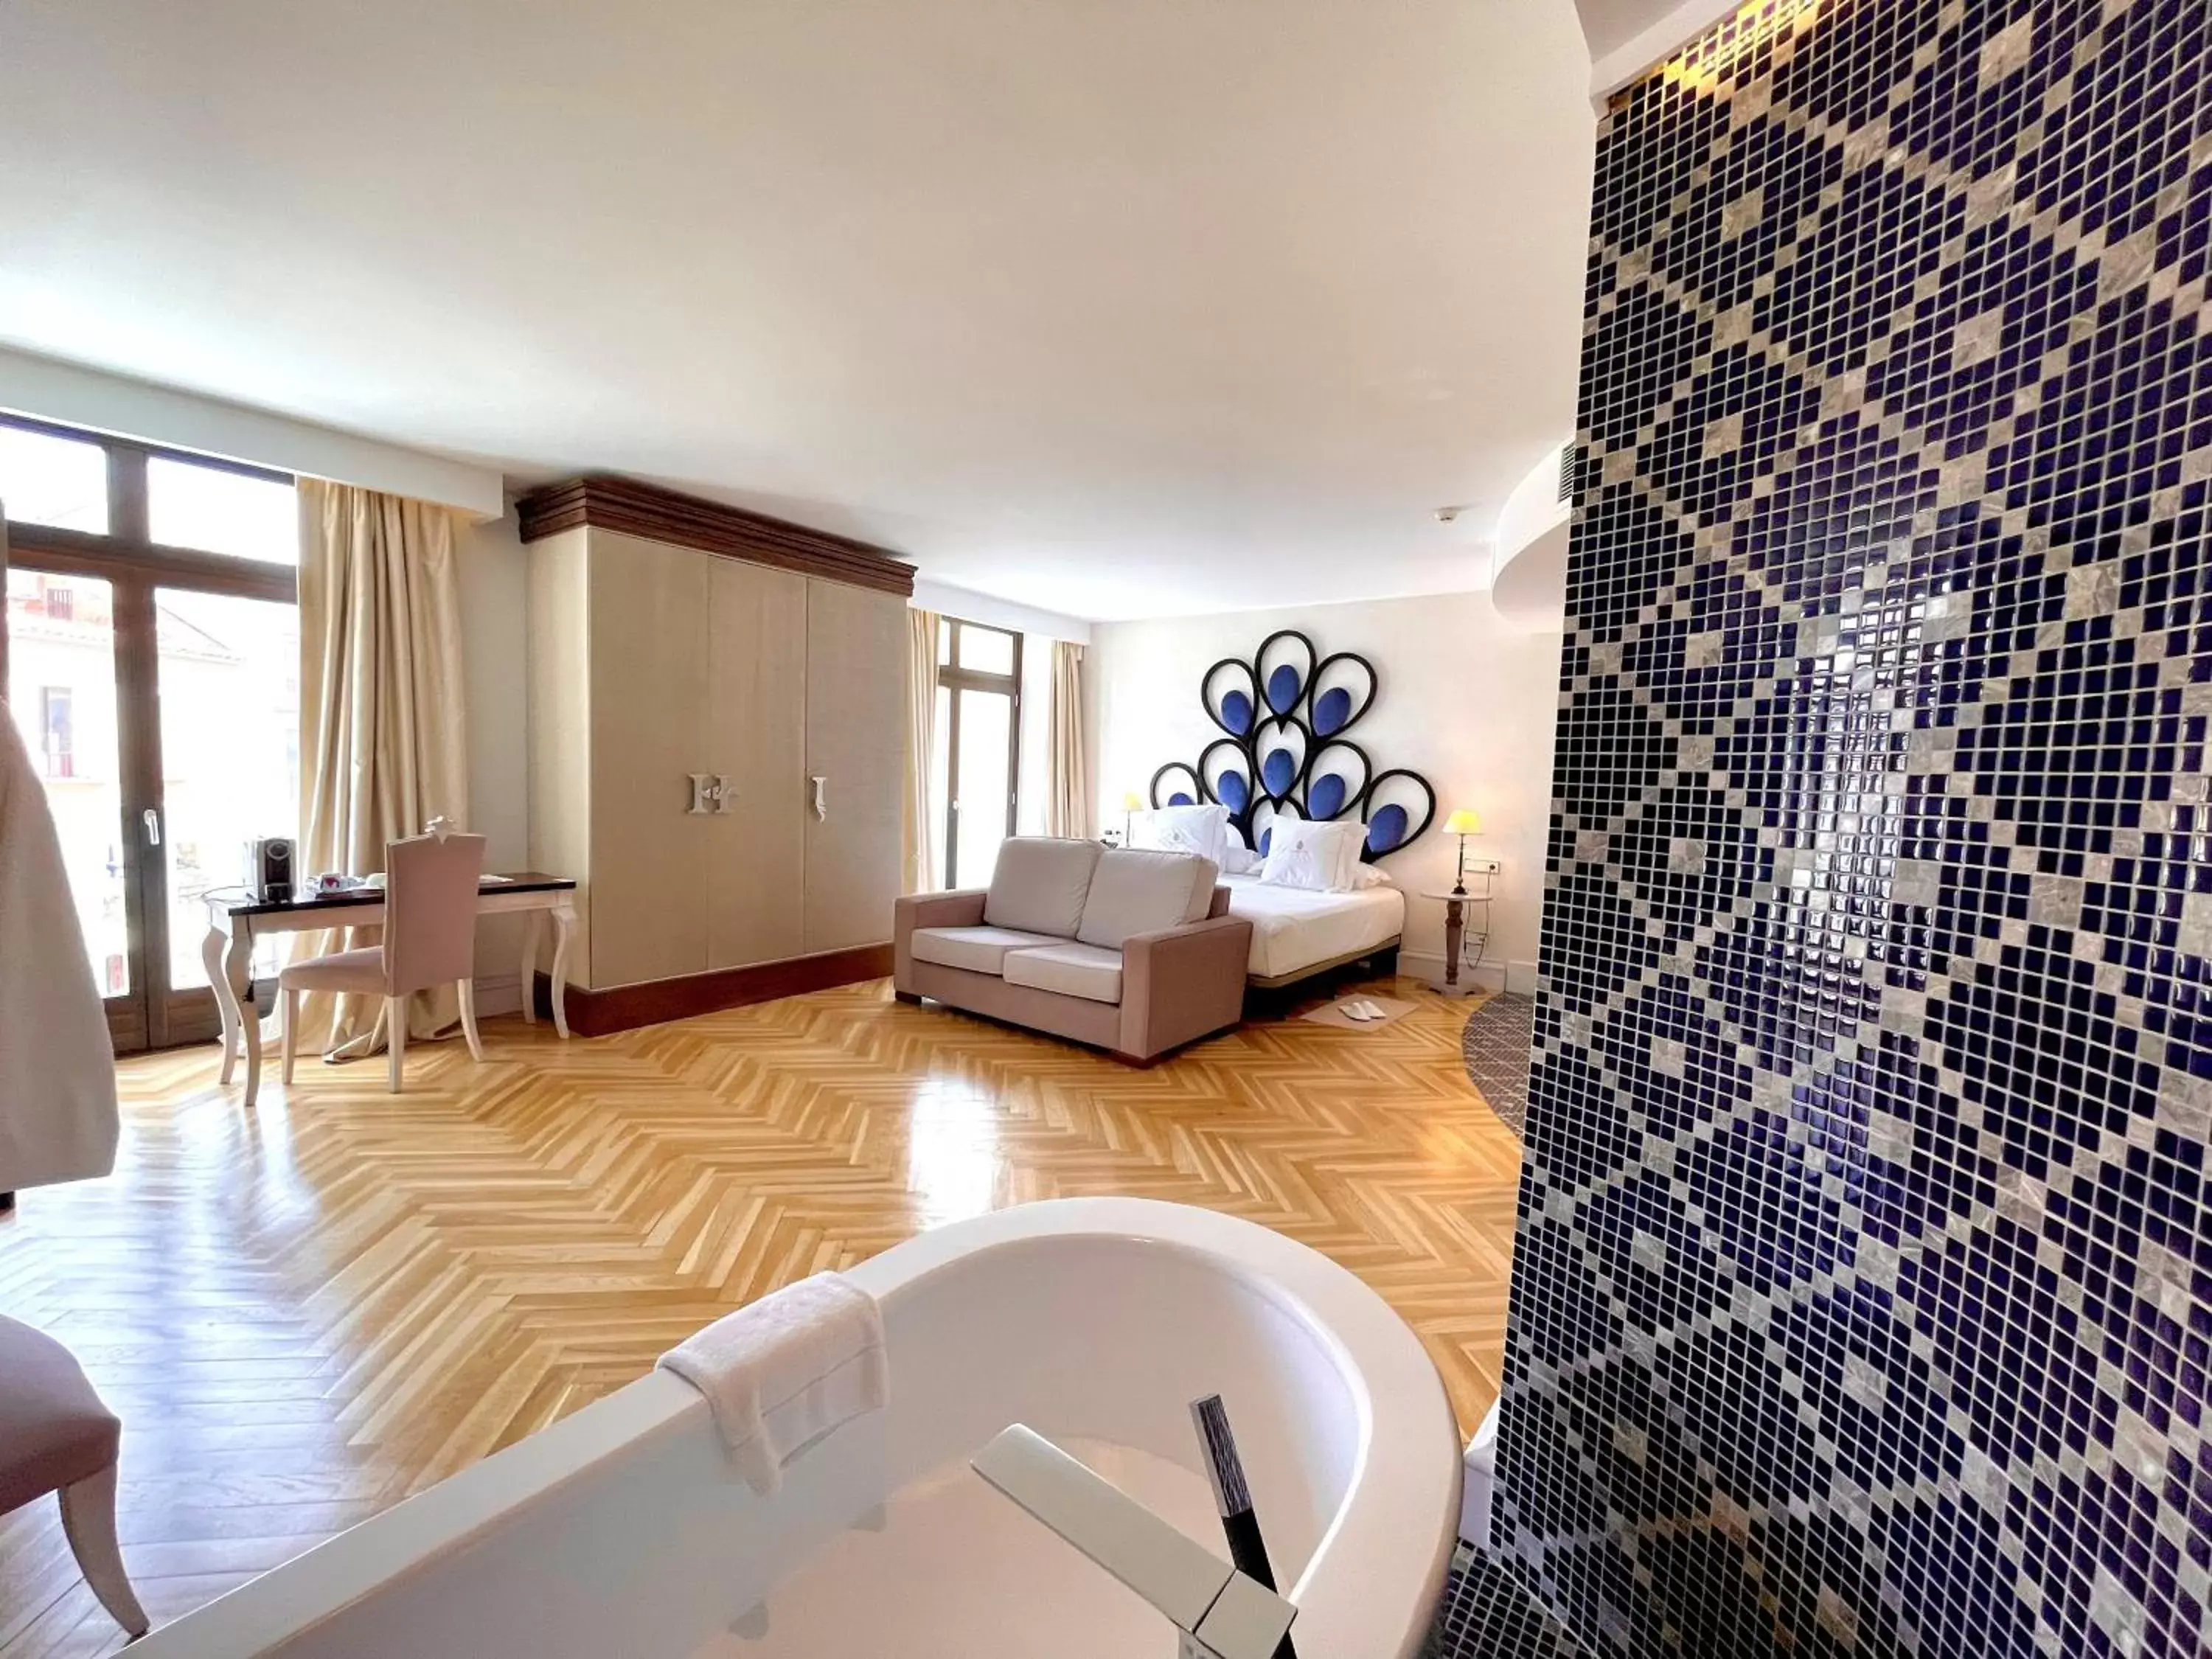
[622, 1530]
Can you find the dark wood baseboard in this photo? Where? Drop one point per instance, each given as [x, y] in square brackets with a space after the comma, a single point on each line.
[626, 1007]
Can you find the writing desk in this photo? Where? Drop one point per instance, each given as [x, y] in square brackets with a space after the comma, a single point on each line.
[235, 924]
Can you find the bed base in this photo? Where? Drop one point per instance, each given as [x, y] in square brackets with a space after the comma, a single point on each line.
[1383, 956]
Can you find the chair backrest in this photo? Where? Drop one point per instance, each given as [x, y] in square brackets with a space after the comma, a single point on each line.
[430, 911]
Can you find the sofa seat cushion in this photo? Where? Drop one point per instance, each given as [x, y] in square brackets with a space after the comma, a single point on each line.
[1072, 970]
[1144, 892]
[1039, 884]
[979, 950]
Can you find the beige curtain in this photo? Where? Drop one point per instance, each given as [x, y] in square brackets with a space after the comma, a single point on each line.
[1067, 804]
[383, 744]
[921, 822]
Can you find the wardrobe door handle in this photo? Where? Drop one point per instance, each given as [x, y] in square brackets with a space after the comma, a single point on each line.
[821, 800]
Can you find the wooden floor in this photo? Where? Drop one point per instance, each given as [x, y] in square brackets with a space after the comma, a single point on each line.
[305, 1313]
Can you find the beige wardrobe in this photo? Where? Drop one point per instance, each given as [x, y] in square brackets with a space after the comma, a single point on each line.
[718, 721]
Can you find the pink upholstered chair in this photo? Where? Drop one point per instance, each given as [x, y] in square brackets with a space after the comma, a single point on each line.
[56, 1436]
[430, 888]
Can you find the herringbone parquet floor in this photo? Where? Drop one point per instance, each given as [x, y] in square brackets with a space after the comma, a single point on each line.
[304, 1313]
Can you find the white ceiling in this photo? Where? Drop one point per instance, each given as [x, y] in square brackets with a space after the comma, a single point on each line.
[1118, 307]
[1608, 24]
[1626, 37]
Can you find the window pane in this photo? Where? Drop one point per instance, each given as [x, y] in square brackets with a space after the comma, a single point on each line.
[945, 630]
[230, 751]
[985, 731]
[57, 481]
[219, 512]
[986, 649]
[61, 688]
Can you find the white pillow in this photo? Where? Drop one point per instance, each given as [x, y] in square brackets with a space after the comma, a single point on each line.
[1237, 859]
[1319, 857]
[1364, 876]
[1202, 830]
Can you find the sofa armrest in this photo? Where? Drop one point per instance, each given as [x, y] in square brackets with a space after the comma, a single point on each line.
[1182, 982]
[961, 908]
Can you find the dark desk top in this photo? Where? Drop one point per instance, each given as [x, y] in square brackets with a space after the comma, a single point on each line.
[514, 881]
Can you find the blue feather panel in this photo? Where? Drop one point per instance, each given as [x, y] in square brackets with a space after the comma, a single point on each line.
[1386, 828]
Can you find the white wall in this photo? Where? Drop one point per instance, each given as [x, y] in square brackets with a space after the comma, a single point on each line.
[48, 390]
[493, 565]
[972, 606]
[1464, 699]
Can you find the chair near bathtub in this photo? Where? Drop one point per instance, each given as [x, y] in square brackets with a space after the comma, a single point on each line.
[1221, 1613]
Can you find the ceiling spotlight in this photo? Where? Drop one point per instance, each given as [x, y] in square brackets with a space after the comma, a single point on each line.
[1449, 514]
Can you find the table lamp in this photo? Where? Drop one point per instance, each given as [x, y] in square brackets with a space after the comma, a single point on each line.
[1131, 804]
[1462, 824]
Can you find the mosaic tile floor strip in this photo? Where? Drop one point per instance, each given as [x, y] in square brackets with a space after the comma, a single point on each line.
[1495, 1046]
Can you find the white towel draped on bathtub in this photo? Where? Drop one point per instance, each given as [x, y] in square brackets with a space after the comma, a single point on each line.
[785, 1372]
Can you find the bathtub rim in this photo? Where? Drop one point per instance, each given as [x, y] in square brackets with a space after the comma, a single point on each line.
[1404, 1540]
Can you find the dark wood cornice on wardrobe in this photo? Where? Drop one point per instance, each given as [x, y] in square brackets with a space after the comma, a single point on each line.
[624, 505]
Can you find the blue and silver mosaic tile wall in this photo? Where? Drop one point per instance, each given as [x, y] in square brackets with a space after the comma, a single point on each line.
[1864, 1284]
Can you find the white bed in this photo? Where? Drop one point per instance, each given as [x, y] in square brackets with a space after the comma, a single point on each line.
[1296, 932]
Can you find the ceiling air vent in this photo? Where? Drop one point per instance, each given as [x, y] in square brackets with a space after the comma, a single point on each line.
[1569, 473]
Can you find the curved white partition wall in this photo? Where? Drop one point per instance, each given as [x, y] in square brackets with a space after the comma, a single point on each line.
[1529, 585]
[1097, 1322]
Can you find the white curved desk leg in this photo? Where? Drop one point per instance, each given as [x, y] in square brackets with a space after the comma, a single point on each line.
[238, 974]
[225, 1003]
[564, 923]
[533, 926]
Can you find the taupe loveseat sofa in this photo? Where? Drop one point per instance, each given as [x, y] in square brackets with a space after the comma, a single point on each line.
[1132, 951]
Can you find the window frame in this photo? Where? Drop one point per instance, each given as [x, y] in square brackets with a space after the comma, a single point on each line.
[58, 758]
[128, 544]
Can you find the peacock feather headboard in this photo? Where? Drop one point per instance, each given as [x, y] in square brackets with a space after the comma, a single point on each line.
[1286, 713]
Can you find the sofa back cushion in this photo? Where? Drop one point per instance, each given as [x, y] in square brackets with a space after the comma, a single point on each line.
[1040, 885]
[1139, 892]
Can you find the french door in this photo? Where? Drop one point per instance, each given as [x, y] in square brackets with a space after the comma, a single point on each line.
[152, 656]
[978, 743]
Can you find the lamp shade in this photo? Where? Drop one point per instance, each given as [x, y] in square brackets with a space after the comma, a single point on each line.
[1133, 802]
[1463, 823]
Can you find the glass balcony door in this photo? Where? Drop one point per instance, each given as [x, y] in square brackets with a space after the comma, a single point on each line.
[63, 692]
[156, 685]
[978, 743]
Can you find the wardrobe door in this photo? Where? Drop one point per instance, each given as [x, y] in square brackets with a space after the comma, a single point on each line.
[649, 620]
[756, 722]
[856, 675]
